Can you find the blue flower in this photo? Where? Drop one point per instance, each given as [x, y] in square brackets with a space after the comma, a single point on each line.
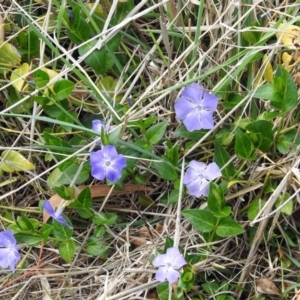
[9, 254]
[56, 215]
[197, 177]
[195, 108]
[99, 126]
[169, 264]
[107, 163]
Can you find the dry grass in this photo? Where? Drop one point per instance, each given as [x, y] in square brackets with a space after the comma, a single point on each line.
[127, 272]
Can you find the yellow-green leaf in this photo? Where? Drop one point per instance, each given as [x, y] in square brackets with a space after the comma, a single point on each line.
[268, 70]
[13, 161]
[288, 35]
[9, 54]
[20, 83]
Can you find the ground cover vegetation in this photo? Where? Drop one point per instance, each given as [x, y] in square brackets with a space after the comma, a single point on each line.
[149, 149]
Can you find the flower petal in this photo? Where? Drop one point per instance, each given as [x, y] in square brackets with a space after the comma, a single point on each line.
[194, 188]
[98, 172]
[183, 107]
[172, 275]
[207, 119]
[98, 126]
[9, 258]
[97, 158]
[159, 260]
[193, 121]
[193, 92]
[176, 258]
[109, 151]
[193, 171]
[119, 162]
[204, 188]
[113, 174]
[48, 208]
[161, 274]
[63, 221]
[210, 101]
[212, 171]
[7, 239]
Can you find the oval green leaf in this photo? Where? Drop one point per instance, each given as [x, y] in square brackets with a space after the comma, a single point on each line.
[155, 133]
[202, 220]
[228, 227]
[67, 250]
[62, 89]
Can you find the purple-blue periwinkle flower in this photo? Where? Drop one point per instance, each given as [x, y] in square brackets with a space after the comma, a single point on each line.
[98, 126]
[56, 215]
[198, 175]
[195, 108]
[9, 254]
[168, 265]
[107, 163]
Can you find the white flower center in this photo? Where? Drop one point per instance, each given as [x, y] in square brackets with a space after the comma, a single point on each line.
[200, 177]
[107, 163]
[199, 108]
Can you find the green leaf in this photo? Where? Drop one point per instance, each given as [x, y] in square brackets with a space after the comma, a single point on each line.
[62, 89]
[172, 155]
[67, 250]
[84, 212]
[46, 231]
[221, 158]
[202, 220]
[250, 36]
[288, 208]
[102, 218]
[59, 143]
[282, 92]
[58, 178]
[123, 9]
[267, 92]
[60, 231]
[83, 204]
[210, 287]
[26, 224]
[165, 170]
[30, 239]
[290, 91]
[173, 197]
[97, 247]
[163, 292]
[155, 133]
[41, 78]
[243, 145]
[114, 136]
[288, 142]
[195, 135]
[216, 200]
[265, 129]
[98, 60]
[85, 197]
[228, 227]
[13, 161]
[9, 54]
[66, 193]
[224, 212]
[78, 29]
[254, 208]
